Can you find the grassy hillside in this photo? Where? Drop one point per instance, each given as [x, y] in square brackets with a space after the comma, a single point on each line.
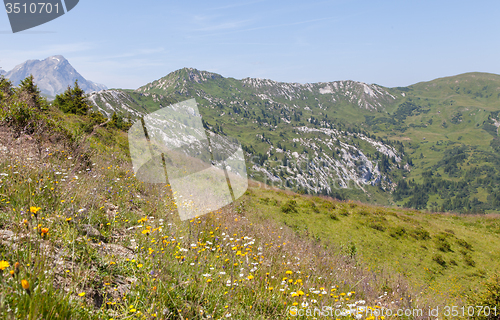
[450, 130]
[431, 250]
[81, 238]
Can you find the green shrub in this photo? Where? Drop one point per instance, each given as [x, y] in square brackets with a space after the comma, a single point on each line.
[439, 260]
[442, 244]
[469, 261]
[420, 234]
[489, 296]
[289, 207]
[364, 212]
[20, 116]
[398, 232]
[264, 200]
[377, 226]
[312, 206]
[464, 244]
[344, 212]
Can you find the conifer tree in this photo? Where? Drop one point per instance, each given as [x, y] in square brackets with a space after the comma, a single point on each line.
[28, 92]
[73, 100]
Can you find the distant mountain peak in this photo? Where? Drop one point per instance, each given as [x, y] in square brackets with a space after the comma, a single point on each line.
[52, 75]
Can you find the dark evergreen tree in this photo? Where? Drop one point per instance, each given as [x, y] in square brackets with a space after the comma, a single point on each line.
[73, 100]
[28, 92]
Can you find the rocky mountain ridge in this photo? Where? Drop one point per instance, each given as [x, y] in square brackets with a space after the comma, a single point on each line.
[289, 139]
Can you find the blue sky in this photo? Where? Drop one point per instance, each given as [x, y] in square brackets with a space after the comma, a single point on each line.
[127, 44]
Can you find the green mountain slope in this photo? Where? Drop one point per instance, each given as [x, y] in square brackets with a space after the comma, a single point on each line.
[431, 145]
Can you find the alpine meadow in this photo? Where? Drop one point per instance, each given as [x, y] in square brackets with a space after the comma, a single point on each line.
[361, 199]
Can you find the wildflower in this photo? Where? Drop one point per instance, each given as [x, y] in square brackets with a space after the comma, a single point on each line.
[44, 232]
[17, 265]
[26, 285]
[81, 294]
[68, 219]
[4, 264]
[250, 277]
[35, 210]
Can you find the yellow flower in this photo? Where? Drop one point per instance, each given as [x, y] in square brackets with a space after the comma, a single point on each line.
[4, 264]
[289, 272]
[250, 277]
[81, 294]
[44, 231]
[25, 284]
[209, 280]
[35, 209]
[139, 265]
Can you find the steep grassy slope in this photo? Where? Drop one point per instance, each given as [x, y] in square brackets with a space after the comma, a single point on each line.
[442, 254]
[82, 238]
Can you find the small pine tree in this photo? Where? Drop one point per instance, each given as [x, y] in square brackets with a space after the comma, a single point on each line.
[28, 92]
[73, 100]
[114, 121]
[6, 90]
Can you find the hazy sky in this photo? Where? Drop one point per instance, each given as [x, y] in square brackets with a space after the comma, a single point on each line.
[127, 43]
